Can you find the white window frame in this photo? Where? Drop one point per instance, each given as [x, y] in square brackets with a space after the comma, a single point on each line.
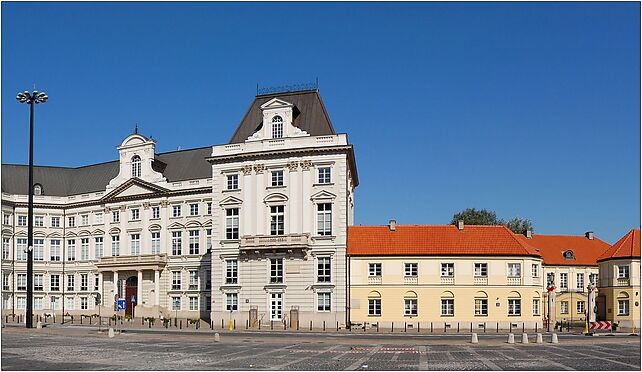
[231, 271]
[447, 269]
[277, 270]
[194, 242]
[481, 307]
[514, 306]
[177, 243]
[135, 244]
[375, 269]
[324, 175]
[232, 181]
[514, 270]
[324, 269]
[277, 220]
[177, 280]
[324, 219]
[232, 223]
[447, 307]
[410, 307]
[276, 178]
[193, 209]
[480, 269]
[324, 301]
[156, 242]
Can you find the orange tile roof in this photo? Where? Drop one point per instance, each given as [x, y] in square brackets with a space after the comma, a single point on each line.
[628, 246]
[435, 240]
[552, 248]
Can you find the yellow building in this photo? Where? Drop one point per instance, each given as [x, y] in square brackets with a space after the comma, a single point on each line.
[619, 286]
[443, 276]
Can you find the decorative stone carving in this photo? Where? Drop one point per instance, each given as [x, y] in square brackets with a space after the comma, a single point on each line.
[164, 203]
[146, 205]
[259, 168]
[293, 166]
[123, 208]
[306, 164]
[247, 169]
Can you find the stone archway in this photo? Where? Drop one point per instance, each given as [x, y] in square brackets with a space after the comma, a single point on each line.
[131, 289]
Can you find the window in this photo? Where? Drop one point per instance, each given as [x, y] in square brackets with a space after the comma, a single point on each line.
[38, 283]
[481, 269]
[193, 279]
[135, 244]
[22, 220]
[84, 220]
[193, 303]
[176, 210]
[277, 127]
[21, 282]
[514, 270]
[176, 280]
[232, 181]
[410, 269]
[623, 307]
[71, 283]
[194, 242]
[83, 303]
[232, 302]
[37, 303]
[410, 307]
[277, 178]
[623, 272]
[580, 307]
[6, 219]
[5, 282]
[69, 303]
[21, 249]
[84, 282]
[38, 249]
[98, 218]
[594, 278]
[55, 221]
[374, 269]
[448, 269]
[231, 272]
[324, 270]
[71, 221]
[208, 302]
[84, 249]
[276, 270]
[6, 248]
[514, 306]
[135, 214]
[374, 307]
[155, 212]
[277, 220]
[481, 306]
[54, 282]
[447, 307]
[208, 240]
[324, 175]
[136, 166]
[115, 216]
[208, 279]
[177, 243]
[71, 250]
[232, 223]
[535, 270]
[115, 245]
[550, 278]
[324, 219]
[39, 221]
[323, 301]
[193, 209]
[209, 208]
[37, 189]
[98, 241]
[580, 281]
[96, 282]
[535, 306]
[55, 302]
[564, 280]
[564, 307]
[156, 243]
[21, 303]
[176, 303]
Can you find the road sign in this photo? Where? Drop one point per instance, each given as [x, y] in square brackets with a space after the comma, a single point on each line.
[121, 304]
[133, 299]
[602, 324]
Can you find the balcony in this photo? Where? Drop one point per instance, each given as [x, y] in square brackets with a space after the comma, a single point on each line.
[374, 279]
[410, 280]
[273, 242]
[141, 262]
[512, 280]
[480, 280]
[622, 282]
[447, 280]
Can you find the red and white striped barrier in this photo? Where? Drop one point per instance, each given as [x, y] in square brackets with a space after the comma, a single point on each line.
[603, 324]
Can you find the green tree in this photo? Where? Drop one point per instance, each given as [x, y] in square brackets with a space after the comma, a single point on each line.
[520, 225]
[472, 216]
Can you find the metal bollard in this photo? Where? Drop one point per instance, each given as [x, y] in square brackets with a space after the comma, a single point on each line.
[430, 327]
[234, 324]
[310, 325]
[484, 327]
[510, 326]
[457, 327]
[418, 325]
[150, 324]
[337, 326]
[222, 326]
[444, 327]
[392, 326]
[405, 326]
[324, 325]
[471, 327]
[497, 327]
[271, 325]
[523, 329]
[259, 324]
[181, 324]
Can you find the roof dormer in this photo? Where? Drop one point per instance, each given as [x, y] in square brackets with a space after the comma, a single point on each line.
[278, 117]
[136, 154]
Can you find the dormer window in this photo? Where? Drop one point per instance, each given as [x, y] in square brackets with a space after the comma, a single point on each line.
[568, 255]
[136, 166]
[37, 189]
[277, 127]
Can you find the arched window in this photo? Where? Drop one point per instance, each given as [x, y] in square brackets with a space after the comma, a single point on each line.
[37, 189]
[136, 166]
[277, 127]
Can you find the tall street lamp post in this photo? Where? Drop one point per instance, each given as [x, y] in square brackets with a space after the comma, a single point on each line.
[32, 99]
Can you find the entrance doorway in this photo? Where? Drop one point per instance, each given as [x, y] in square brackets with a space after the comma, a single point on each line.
[276, 306]
[131, 288]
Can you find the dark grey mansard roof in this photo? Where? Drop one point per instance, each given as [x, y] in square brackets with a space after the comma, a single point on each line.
[309, 114]
[59, 181]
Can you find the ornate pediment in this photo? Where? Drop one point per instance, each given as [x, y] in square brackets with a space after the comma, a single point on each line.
[230, 200]
[133, 187]
[275, 198]
[323, 195]
[275, 103]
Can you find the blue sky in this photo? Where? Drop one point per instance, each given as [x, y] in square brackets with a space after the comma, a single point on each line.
[528, 109]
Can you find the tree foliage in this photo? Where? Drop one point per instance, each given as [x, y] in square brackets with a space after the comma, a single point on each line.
[520, 225]
[472, 216]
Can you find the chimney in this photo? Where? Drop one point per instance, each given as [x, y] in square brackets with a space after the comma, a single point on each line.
[529, 234]
[589, 235]
[392, 225]
[460, 225]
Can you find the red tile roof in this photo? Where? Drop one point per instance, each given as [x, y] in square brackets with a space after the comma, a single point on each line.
[627, 247]
[435, 240]
[552, 248]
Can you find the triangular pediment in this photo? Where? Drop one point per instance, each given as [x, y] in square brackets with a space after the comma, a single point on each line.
[230, 200]
[275, 103]
[323, 195]
[134, 186]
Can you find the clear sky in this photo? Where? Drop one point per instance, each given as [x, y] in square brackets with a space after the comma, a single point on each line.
[528, 109]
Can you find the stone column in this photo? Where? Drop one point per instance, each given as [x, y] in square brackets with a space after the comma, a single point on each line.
[157, 288]
[115, 284]
[139, 289]
[100, 287]
[551, 308]
[591, 302]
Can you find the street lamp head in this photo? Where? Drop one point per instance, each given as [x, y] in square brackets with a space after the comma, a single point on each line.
[35, 97]
[41, 97]
[22, 97]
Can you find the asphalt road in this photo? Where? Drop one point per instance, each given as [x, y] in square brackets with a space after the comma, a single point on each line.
[76, 348]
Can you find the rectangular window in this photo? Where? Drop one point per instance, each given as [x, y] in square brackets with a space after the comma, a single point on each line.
[232, 181]
[374, 269]
[276, 270]
[176, 303]
[535, 270]
[39, 221]
[55, 302]
[209, 208]
[232, 223]
[580, 281]
[447, 307]
[448, 269]
[37, 303]
[324, 269]
[115, 216]
[155, 213]
[176, 211]
[324, 175]
[193, 279]
[176, 280]
[115, 245]
[193, 303]
[22, 220]
[514, 270]
[580, 307]
[135, 244]
[231, 272]
[481, 269]
[5, 282]
[481, 306]
[410, 307]
[98, 218]
[324, 219]
[21, 249]
[71, 221]
[374, 307]
[208, 240]
[277, 178]
[6, 219]
[84, 282]
[156, 243]
[96, 282]
[194, 242]
[550, 278]
[38, 249]
[594, 278]
[98, 247]
[564, 307]
[193, 209]
[84, 220]
[71, 250]
[623, 272]
[277, 220]
[323, 301]
[83, 303]
[84, 249]
[38, 282]
[410, 269]
[535, 306]
[177, 243]
[54, 282]
[135, 214]
[55, 221]
[21, 303]
[564, 280]
[232, 302]
[514, 306]
[21, 282]
[623, 307]
[71, 283]
[6, 248]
